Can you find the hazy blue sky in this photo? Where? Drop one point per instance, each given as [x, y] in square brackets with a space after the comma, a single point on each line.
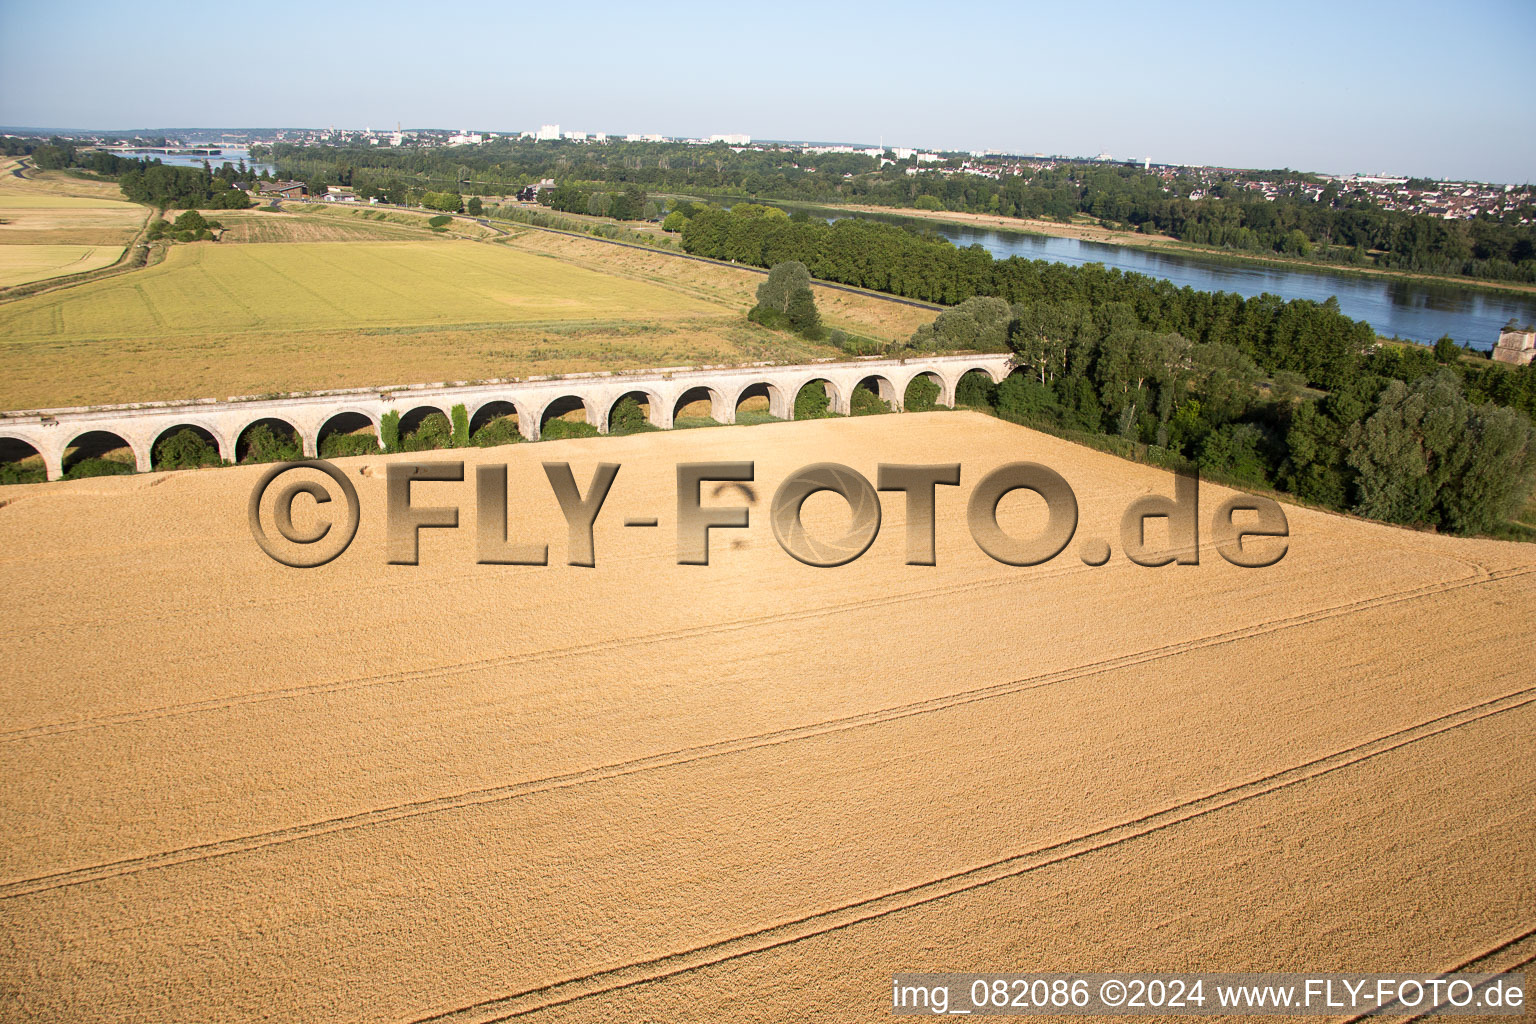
[1439, 89]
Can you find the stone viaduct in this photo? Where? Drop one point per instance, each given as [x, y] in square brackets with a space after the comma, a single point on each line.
[52, 432]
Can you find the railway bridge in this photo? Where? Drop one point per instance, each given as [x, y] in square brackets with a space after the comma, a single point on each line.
[52, 433]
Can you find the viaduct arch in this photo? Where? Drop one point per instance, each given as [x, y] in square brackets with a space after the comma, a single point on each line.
[52, 431]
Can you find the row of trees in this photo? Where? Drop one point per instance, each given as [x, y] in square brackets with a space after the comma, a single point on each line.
[1330, 224]
[1308, 338]
[629, 204]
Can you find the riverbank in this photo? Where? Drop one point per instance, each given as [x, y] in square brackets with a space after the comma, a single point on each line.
[1165, 244]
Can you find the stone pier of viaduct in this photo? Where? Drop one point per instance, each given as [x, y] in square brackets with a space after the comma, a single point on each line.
[53, 432]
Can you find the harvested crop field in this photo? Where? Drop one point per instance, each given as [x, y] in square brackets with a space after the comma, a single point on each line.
[53, 224]
[850, 311]
[264, 226]
[20, 264]
[745, 791]
[215, 320]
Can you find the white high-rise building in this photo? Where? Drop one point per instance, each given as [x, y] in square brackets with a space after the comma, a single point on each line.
[547, 133]
[732, 140]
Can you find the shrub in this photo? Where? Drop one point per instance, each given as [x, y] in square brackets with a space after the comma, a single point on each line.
[190, 221]
[441, 220]
[1025, 399]
[15, 473]
[499, 431]
[976, 390]
[562, 430]
[460, 425]
[812, 402]
[266, 445]
[1236, 451]
[432, 433]
[389, 427]
[768, 317]
[448, 202]
[338, 446]
[922, 395]
[866, 403]
[627, 418]
[97, 467]
[185, 449]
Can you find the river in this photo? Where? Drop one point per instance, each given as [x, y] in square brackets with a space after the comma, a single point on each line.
[233, 154]
[1394, 306]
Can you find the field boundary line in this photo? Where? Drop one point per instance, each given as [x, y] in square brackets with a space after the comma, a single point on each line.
[788, 932]
[686, 755]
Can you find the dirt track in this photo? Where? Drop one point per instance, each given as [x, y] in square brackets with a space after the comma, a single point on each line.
[752, 790]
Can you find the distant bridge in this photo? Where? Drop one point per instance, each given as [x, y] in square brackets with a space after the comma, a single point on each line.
[533, 401]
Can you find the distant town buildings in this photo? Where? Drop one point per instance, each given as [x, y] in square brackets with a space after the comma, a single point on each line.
[1516, 347]
[732, 140]
[547, 133]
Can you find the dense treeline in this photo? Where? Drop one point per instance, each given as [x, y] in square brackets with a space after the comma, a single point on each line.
[1402, 436]
[1312, 339]
[150, 180]
[630, 204]
[165, 186]
[1345, 227]
[1336, 227]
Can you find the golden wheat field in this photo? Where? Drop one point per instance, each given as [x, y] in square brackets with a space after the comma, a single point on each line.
[752, 790]
[52, 224]
[299, 310]
[21, 264]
